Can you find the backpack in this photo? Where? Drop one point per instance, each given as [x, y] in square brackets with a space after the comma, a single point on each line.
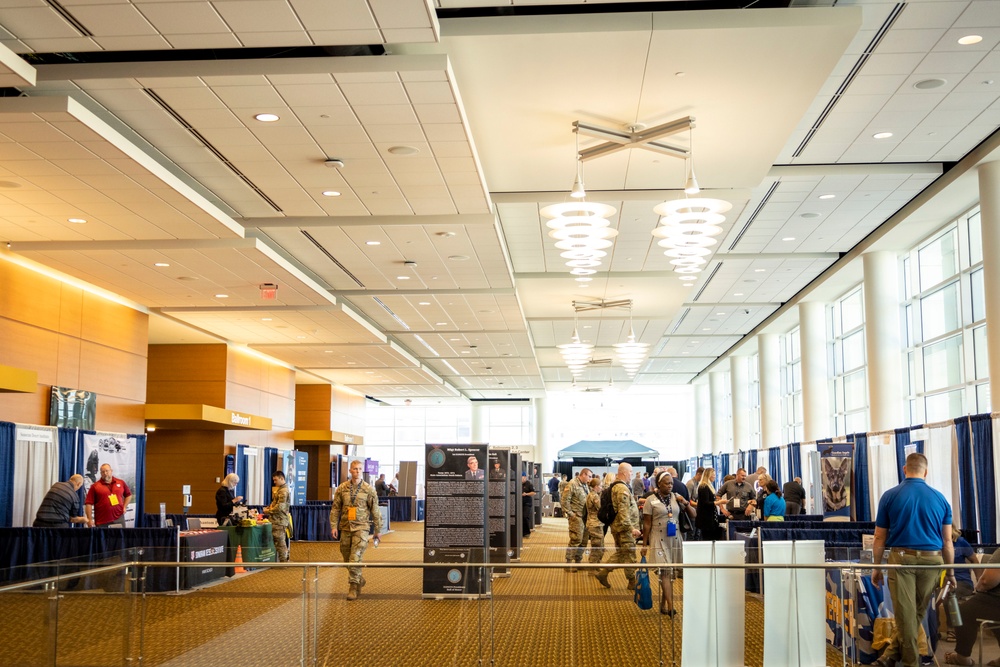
[608, 512]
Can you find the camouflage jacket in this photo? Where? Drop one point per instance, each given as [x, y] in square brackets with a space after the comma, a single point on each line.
[366, 502]
[593, 509]
[278, 511]
[574, 498]
[628, 512]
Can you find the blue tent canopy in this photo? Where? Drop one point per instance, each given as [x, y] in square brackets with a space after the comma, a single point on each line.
[608, 449]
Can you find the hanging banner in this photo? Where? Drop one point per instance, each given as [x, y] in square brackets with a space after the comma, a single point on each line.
[117, 450]
[837, 474]
[499, 510]
[301, 477]
[455, 520]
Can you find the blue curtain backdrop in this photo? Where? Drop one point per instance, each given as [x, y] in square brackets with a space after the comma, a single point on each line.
[71, 457]
[751, 465]
[741, 459]
[966, 477]
[774, 465]
[862, 506]
[795, 459]
[270, 465]
[140, 479]
[724, 460]
[7, 440]
[902, 440]
[241, 470]
[982, 456]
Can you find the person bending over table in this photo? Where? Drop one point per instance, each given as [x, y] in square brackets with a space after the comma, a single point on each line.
[226, 498]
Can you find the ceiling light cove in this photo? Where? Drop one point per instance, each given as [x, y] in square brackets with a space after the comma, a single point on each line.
[267, 117]
[969, 40]
[882, 135]
[330, 193]
[161, 264]
[373, 243]
[77, 221]
[221, 296]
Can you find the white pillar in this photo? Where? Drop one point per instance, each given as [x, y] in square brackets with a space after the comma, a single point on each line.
[989, 206]
[739, 388]
[542, 447]
[769, 372]
[720, 411]
[815, 376]
[882, 343]
[479, 426]
[703, 419]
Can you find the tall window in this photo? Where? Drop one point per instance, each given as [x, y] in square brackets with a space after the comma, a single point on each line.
[791, 387]
[947, 373]
[394, 434]
[849, 396]
[753, 401]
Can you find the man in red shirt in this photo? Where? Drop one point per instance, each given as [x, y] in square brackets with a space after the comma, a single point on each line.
[106, 500]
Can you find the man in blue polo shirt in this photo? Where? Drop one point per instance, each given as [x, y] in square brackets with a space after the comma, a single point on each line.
[914, 523]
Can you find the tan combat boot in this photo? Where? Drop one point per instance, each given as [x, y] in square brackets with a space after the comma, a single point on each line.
[352, 594]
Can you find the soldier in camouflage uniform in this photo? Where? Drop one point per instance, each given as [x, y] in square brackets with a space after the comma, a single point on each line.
[355, 507]
[278, 514]
[625, 529]
[595, 529]
[574, 507]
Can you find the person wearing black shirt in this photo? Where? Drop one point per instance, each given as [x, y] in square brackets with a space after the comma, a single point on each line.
[527, 500]
[226, 498]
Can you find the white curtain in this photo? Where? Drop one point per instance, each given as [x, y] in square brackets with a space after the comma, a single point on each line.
[882, 465]
[941, 450]
[255, 474]
[786, 473]
[36, 469]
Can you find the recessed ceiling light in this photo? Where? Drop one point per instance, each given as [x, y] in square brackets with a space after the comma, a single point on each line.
[882, 135]
[464, 352]
[759, 270]
[694, 342]
[266, 117]
[403, 150]
[327, 351]
[720, 313]
[454, 339]
[161, 264]
[458, 258]
[788, 238]
[828, 196]
[402, 277]
[373, 243]
[809, 215]
[929, 84]
[265, 319]
[330, 193]
[352, 363]
[684, 352]
[77, 221]
[221, 296]
[970, 39]
[440, 324]
[706, 329]
[425, 303]
[300, 337]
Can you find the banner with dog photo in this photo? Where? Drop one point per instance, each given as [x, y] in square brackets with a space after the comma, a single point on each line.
[836, 473]
[117, 450]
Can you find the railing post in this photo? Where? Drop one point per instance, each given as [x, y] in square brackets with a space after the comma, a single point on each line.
[52, 623]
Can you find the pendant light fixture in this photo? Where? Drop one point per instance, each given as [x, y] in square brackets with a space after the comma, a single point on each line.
[691, 183]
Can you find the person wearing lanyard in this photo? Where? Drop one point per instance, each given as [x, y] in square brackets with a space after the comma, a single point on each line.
[914, 523]
[355, 509]
[661, 534]
[106, 500]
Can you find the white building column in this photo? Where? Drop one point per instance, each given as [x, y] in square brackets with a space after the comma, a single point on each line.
[882, 344]
[720, 411]
[816, 421]
[479, 426]
[769, 372]
[546, 455]
[739, 389]
[989, 206]
[702, 419]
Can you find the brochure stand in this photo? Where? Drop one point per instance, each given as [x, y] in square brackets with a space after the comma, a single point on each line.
[714, 625]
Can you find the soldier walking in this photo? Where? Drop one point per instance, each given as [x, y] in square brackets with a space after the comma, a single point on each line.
[355, 509]
[574, 506]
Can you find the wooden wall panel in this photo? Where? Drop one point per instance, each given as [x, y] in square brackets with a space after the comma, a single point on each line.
[71, 311]
[29, 297]
[26, 408]
[187, 363]
[176, 458]
[204, 392]
[69, 350]
[27, 346]
[112, 372]
[107, 323]
[120, 414]
[312, 407]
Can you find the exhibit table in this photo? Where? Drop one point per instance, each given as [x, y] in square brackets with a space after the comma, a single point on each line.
[256, 542]
[201, 546]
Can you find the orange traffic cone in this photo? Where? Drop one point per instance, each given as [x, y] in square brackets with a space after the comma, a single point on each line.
[239, 559]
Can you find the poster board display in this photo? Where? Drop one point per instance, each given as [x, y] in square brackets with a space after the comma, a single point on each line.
[837, 476]
[499, 510]
[455, 521]
[301, 477]
[407, 478]
[516, 539]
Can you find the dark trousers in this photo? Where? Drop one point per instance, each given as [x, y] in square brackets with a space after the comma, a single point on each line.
[527, 519]
[979, 606]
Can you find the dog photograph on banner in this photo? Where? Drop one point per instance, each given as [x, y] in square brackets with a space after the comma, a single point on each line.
[836, 472]
[118, 451]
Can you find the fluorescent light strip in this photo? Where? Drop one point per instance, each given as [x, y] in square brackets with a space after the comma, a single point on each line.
[425, 344]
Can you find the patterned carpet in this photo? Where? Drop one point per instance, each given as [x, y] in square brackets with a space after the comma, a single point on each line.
[544, 617]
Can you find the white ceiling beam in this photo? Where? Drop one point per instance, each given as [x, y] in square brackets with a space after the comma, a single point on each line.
[635, 136]
[498, 291]
[658, 195]
[470, 219]
[857, 169]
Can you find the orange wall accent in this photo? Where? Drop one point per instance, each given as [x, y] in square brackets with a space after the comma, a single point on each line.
[71, 338]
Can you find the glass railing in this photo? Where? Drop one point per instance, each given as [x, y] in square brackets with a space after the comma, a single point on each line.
[140, 607]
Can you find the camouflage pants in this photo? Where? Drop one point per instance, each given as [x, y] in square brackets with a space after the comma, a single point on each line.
[280, 545]
[577, 533]
[352, 547]
[624, 552]
[596, 536]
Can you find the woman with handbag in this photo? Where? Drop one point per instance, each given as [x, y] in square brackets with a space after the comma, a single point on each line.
[661, 534]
